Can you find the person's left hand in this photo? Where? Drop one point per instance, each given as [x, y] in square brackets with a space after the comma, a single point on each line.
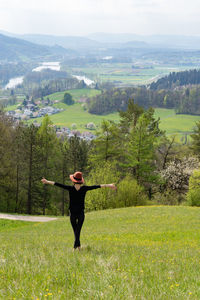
[113, 186]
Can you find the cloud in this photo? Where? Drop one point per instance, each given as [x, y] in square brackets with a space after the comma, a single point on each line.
[83, 17]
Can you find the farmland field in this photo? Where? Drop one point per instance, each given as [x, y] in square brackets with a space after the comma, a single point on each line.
[129, 253]
[122, 74]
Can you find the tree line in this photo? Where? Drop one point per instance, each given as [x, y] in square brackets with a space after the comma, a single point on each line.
[176, 79]
[185, 100]
[134, 153]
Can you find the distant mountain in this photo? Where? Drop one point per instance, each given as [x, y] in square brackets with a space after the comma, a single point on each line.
[114, 37]
[153, 41]
[15, 49]
[68, 42]
[98, 41]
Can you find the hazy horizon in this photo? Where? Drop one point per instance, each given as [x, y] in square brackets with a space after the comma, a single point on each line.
[78, 18]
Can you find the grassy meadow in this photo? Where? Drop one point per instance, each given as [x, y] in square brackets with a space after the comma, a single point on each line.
[122, 74]
[179, 125]
[176, 124]
[130, 253]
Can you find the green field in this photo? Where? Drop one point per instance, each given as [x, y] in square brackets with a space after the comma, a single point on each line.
[76, 94]
[123, 74]
[176, 124]
[170, 122]
[76, 114]
[179, 125]
[131, 253]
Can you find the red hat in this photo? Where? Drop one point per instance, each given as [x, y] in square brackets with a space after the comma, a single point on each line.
[77, 177]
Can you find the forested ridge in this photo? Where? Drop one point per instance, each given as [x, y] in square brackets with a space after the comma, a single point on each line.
[175, 79]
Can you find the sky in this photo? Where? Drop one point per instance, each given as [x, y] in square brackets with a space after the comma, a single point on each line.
[83, 17]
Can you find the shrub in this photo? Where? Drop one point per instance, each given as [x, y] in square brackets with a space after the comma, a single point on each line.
[102, 198]
[130, 193]
[169, 197]
[193, 195]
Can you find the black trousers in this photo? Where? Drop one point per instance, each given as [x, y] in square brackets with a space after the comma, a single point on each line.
[77, 220]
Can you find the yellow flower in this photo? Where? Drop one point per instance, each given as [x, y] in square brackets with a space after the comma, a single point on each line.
[49, 294]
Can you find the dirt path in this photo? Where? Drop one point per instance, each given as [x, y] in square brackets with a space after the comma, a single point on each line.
[26, 218]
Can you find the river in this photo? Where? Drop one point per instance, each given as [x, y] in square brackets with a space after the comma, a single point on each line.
[13, 82]
[54, 65]
[85, 79]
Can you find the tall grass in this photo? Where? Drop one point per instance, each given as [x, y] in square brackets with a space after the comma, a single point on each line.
[129, 253]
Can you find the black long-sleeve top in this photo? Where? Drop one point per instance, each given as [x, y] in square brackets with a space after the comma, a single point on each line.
[77, 198]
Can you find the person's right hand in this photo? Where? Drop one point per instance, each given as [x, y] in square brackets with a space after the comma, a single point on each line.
[44, 181]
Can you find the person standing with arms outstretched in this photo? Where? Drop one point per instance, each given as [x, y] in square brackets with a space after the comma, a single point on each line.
[77, 194]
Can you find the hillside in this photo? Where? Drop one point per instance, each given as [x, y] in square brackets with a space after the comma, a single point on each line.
[14, 49]
[129, 253]
[176, 79]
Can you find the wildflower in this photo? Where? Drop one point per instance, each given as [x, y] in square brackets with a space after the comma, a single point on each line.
[49, 294]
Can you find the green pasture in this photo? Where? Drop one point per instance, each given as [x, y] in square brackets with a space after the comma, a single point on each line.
[75, 114]
[76, 94]
[123, 74]
[176, 124]
[179, 125]
[130, 253]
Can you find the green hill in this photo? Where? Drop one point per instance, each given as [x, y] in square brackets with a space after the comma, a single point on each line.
[129, 253]
[14, 49]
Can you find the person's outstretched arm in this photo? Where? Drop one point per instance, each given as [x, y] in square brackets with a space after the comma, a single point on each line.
[66, 187]
[110, 185]
[45, 181]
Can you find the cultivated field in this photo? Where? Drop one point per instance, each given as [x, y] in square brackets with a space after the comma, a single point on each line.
[131, 253]
[122, 74]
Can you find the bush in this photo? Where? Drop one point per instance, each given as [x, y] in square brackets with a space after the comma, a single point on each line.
[130, 193]
[102, 198]
[169, 197]
[193, 195]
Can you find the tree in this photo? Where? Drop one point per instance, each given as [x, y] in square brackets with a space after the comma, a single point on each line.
[106, 145]
[31, 168]
[130, 117]
[178, 172]
[48, 147]
[68, 99]
[7, 188]
[140, 145]
[196, 140]
[194, 189]
[78, 154]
